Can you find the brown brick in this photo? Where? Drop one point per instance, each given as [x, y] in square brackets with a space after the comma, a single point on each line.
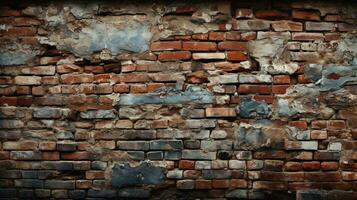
[219, 183]
[216, 36]
[203, 184]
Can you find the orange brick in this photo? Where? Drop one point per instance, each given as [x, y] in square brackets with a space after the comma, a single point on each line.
[199, 46]
[236, 56]
[186, 164]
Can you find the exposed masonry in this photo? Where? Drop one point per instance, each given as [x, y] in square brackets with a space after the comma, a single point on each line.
[181, 100]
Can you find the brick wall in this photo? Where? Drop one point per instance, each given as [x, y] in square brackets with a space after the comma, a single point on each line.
[197, 100]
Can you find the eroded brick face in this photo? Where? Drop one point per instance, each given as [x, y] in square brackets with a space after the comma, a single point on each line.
[149, 100]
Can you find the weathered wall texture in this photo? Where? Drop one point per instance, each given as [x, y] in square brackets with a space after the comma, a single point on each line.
[180, 100]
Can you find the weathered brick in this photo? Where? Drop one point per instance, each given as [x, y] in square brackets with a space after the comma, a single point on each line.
[306, 15]
[208, 56]
[220, 112]
[287, 26]
[172, 56]
[28, 80]
[160, 46]
[319, 26]
[235, 46]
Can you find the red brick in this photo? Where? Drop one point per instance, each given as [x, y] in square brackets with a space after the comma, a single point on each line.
[267, 185]
[293, 166]
[152, 87]
[199, 46]
[182, 37]
[323, 176]
[332, 36]
[134, 78]
[287, 26]
[216, 36]
[19, 31]
[281, 79]
[336, 125]
[229, 67]
[318, 135]
[50, 80]
[198, 77]
[10, 101]
[264, 98]
[103, 88]
[233, 36]
[329, 166]
[172, 56]
[271, 14]
[79, 155]
[220, 112]
[299, 124]
[306, 15]
[160, 46]
[47, 146]
[192, 174]
[319, 124]
[94, 69]
[239, 183]
[311, 166]
[279, 89]
[102, 78]
[254, 89]
[247, 36]
[138, 88]
[236, 56]
[228, 45]
[121, 88]
[50, 156]
[76, 78]
[220, 183]
[186, 164]
[203, 184]
[200, 36]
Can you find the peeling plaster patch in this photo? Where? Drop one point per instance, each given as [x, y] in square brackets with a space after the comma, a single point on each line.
[331, 77]
[256, 136]
[193, 94]
[16, 57]
[99, 36]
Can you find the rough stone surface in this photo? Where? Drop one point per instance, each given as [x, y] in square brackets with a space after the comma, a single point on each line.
[125, 175]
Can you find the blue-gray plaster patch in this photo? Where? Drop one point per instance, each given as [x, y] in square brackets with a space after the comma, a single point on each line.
[97, 36]
[335, 76]
[249, 108]
[193, 94]
[16, 57]
[125, 175]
